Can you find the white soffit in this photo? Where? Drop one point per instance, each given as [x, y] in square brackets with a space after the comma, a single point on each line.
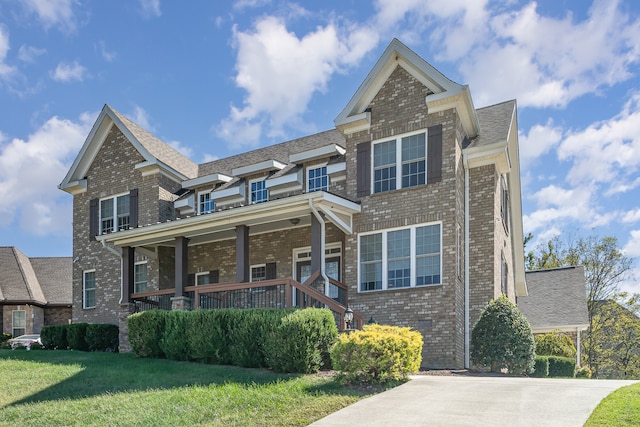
[212, 179]
[317, 153]
[267, 165]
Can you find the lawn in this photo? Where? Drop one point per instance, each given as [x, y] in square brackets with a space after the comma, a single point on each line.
[77, 388]
[620, 408]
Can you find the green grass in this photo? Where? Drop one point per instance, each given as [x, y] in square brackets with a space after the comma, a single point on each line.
[620, 408]
[77, 388]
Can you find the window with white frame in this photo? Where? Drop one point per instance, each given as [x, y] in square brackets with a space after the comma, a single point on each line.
[399, 163]
[203, 278]
[400, 258]
[504, 202]
[19, 322]
[317, 179]
[258, 273]
[259, 192]
[140, 277]
[89, 289]
[205, 203]
[114, 214]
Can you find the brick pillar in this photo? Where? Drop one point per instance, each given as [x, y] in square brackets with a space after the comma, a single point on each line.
[126, 310]
[180, 303]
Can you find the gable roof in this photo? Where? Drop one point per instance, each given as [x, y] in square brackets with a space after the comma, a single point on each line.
[444, 93]
[557, 299]
[40, 281]
[155, 152]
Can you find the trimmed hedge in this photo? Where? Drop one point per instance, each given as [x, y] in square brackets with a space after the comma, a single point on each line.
[378, 353]
[80, 336]
[541, 367]
[561, 366]
[555, 344]
[241, 337]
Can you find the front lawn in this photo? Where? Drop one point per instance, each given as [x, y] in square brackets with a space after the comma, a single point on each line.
[77, 388]
[620, 408]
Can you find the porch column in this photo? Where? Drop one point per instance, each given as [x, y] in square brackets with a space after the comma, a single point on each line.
[182, 254]
[317, 245]
[128, 273]
[243, 270]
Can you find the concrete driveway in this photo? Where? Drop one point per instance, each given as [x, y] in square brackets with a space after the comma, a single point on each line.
[478, 401]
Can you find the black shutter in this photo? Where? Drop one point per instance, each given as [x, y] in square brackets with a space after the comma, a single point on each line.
[191, 279]
[434, 154]
[214, 276]
[93, 218]
[270, 270]
[133, 208]
[363, 165]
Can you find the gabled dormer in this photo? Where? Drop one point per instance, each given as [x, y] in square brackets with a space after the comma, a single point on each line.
[158, 156]
[442, 94]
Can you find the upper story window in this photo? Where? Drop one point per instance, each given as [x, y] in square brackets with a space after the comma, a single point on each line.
[504, 202]
[317, 179]
[140, 277]
[205, 204]
[114, 214]
[399, 163]
[400, 258]
[89, 289]
[259, 192]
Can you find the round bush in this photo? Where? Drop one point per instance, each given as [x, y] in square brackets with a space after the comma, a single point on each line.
[555, 344]
[502, 338]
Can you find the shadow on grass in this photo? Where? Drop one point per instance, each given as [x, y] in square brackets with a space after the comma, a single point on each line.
[103, 373]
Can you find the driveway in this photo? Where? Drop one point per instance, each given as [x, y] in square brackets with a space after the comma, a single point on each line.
[478, 401]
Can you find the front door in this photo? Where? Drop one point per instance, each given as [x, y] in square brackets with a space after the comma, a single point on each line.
[332, 268]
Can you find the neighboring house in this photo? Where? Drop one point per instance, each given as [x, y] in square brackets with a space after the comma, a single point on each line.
[557, 301]
[34, 292]
[408, 212]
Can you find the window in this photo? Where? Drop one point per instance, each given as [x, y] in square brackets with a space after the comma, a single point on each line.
[400, 258]
[140, 278]
[114, 214]
[89, 289]
[317, 179]
[399, 163]
[504, 276]
[19, 322]
[258, 273]
[504, 202]
[205, 204]
[203, 278]
[259, 192]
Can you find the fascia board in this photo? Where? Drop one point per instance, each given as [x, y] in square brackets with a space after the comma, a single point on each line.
[205, 180]
[317, 153]
[267, 165]
[563, 328]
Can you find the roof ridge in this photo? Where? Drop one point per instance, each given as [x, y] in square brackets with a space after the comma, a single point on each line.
[19, 264]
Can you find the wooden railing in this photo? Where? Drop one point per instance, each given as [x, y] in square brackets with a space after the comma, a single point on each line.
[266, 293]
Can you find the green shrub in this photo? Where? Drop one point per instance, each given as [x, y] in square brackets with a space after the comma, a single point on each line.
[208, 336]
[502, 338]
[301, 341]
[561, 366]
[54, 337]
[102, 337]
[174, 343]
[583, 372]
[378, 353]
[4, 337]
[555, 344]
[541, 367]
[76, 333]
[35, 346]
[145, 333]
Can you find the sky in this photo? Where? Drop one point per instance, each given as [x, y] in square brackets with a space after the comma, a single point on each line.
[214, 79]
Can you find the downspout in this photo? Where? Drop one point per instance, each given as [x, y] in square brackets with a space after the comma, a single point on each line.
[467, 345]
[322, 245]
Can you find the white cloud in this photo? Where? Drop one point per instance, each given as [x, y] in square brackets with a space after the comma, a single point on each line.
[632, 248]
[5, 70]
[631, 216]
[540, 140]
[150, 8]
[181, 148]
[29, 53]
[54, 13]
[243, 4]
[66, 72]
[30, 171]
[141, 118]
[106, 55]
[209, 158]
[280, 72]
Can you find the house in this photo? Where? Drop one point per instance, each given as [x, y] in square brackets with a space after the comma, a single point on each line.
[557, 301]
[34, 292]
[408, 212]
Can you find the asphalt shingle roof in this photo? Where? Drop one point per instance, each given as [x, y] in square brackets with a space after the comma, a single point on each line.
[494, 121]
[557, 298]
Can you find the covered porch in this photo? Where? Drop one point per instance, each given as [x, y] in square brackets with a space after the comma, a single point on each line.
[281, 253]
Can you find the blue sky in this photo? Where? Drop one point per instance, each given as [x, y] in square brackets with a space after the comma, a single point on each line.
[218, 78]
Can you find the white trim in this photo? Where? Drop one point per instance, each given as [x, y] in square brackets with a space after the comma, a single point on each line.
[317, 153]
[199, 274]
[198, 203]
[13, 322]
[315, 167]
[84, 289]
[267, 165]
[398, 164]
[115, 198]
[206, 180]
[250, 192]
[413, 257]
[134, 276]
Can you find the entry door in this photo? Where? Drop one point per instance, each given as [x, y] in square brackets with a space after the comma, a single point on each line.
[331, 266]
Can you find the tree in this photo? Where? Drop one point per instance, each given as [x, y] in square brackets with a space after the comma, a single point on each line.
[605, 268]
[502, 338]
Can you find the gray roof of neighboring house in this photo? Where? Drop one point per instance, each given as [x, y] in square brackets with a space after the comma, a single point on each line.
[557, 298]
[495, 121]
[39, 281]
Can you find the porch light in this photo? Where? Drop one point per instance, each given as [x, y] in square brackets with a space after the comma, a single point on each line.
[348, 317]
[295, 221]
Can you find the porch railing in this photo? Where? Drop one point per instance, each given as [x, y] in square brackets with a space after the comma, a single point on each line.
[275, 293]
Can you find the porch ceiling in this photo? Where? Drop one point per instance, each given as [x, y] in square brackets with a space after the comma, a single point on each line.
[260, 218]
